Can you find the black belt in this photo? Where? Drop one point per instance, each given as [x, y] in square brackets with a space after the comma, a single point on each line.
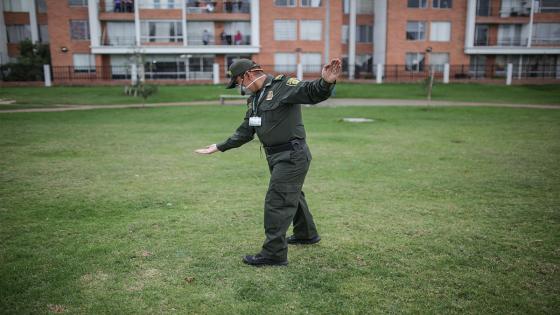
[294, 144]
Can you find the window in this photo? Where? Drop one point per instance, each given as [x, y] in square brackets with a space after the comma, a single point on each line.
[311, 62]
[362, 7]
[79, 29]
[84, 63]
[418, 4]
[162, 4]
[311, 3]
[364, 34]
[481, 35]
[440, 31]
[78, 3]
[285, 62]
[547, 6]
[18, 33]
[415, 30]
[364, 63]
[438, 60]
[230, 33]
[44, 34]
[345, 33]
[285, 3]
[414, 62]
[164, 32]
[16, 6]
[120, 34]
[41, 6]
[546, 33]
[310, 29]
[285, 30]
[442, 4]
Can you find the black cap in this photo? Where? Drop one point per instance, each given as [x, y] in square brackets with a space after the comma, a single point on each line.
[237, 68]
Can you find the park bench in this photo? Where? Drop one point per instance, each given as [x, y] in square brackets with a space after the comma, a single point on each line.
[223, 97]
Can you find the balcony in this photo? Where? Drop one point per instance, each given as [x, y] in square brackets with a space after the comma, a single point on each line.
[118, 41]
[117, 6]
[205, 7]
[514, 11]
[545, 41]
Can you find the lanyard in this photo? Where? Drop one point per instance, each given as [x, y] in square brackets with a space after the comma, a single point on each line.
[259, 98]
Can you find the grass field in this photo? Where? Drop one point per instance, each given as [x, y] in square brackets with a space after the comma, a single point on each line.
[447, 210]
[30, 97]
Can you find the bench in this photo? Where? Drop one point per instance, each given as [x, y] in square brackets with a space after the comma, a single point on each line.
[223, 97]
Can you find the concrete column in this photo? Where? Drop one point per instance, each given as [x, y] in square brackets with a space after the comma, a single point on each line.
[558, 67]
[3, 37]
[446, 73]
[530, 35]
[137, 22]
[509, 74]
[133, 73]
[184, 22]
[471, 23]
[352, 41]
[255, 23]
[47, 75]
[94, 25]
[327, 33]
[299, 71]
[380, 32]
[33, 21]
[379, 74]
[216, 73]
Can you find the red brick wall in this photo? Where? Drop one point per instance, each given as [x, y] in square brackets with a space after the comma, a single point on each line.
[398, 46]
[269, 12]
[60, 14]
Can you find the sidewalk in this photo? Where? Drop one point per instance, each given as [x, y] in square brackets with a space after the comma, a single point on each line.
[335, 102]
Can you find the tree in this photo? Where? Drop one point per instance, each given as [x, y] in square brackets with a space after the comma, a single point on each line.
[29, 64]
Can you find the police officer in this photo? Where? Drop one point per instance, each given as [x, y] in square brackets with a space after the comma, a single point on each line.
[274, 114]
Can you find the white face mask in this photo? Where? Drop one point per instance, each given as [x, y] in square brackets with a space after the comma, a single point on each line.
[244, 90]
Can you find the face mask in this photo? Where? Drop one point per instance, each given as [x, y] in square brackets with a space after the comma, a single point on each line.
[244, 90]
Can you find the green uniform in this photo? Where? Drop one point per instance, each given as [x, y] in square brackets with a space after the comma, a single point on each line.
[278, 105]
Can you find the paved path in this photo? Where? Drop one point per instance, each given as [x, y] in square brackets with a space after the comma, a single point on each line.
[335, 102]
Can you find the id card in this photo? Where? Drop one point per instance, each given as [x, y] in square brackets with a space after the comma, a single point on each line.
[254, 121]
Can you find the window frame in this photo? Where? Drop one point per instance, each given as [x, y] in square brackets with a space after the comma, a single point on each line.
[301, 28]
[418, 31]
[300, 2]
[294, 21]
[286, 6]
[88, 32]
[419, 7]
[407, 67]
[84, 4]
[450, 32]
[440, 8]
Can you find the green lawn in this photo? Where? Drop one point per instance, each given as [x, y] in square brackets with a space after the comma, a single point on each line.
[29, 97]
[447, 210]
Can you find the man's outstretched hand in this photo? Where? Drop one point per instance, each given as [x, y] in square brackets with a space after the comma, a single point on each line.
[208, 150]
[332, 70]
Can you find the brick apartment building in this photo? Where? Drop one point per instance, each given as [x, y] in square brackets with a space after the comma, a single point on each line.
[183, 39]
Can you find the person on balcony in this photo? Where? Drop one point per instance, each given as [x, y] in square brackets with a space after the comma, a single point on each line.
[129, 5]
[205, 37]
[238, 39]
[117, 6]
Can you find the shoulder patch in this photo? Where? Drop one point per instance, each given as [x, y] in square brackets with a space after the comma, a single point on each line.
[292, 82]
[279, 77]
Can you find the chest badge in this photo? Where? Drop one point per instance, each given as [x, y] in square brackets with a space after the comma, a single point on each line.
[269, 96]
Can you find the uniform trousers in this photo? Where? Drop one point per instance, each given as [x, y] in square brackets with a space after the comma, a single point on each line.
[285, 201]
